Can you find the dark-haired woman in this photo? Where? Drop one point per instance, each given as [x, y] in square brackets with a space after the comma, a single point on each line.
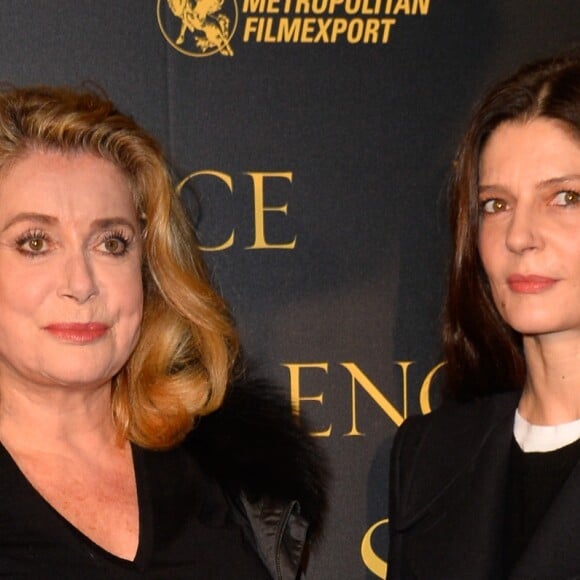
[488, 486]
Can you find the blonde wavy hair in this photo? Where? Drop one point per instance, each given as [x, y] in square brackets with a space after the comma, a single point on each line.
[187, 348]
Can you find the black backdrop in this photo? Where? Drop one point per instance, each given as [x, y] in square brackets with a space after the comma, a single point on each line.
[322, 144]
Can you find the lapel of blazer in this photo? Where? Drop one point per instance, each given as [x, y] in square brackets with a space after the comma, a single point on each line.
[477, 530]
[468, 513]
[554, 550]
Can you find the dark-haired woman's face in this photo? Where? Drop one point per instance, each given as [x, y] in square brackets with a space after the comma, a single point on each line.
[529, 238]
[70, 256]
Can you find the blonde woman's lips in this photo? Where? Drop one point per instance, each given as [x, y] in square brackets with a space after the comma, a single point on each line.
[530, 284]
[77, 332]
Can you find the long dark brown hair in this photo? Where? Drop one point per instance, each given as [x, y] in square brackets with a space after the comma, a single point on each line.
[483, 353]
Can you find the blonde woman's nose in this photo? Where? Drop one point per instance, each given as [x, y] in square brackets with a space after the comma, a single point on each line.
[78, 278]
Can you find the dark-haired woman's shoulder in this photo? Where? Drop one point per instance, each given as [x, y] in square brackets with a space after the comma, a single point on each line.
[451, 432]
[455, 420]
[436, 474]
[430, 450]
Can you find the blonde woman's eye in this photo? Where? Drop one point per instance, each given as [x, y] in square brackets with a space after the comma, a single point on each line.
[493, 205]
[566, 198]
[116, 245]
[36, 244]
[32, 243]
[113, 246]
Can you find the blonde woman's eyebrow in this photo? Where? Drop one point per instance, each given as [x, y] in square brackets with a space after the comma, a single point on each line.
[30, 216]
[112, 222]
[44, 219]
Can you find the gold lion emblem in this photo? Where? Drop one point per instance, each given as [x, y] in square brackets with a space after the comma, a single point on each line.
[202, 18]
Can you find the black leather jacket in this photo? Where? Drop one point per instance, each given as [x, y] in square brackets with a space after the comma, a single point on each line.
[272, 470]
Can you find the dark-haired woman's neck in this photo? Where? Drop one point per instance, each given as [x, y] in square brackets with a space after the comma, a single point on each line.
[551, 395]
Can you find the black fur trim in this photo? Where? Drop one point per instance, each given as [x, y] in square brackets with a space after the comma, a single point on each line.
[255, 444]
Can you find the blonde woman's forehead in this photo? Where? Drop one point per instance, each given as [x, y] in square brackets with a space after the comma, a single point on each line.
[68, 186]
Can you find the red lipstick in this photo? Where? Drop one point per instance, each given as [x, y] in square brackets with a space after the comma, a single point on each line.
[77, 332]
[530, 284]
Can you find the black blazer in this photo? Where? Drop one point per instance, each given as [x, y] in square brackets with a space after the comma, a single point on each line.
[448, 476]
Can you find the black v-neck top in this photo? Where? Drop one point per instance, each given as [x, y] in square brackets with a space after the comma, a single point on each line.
[187, 529]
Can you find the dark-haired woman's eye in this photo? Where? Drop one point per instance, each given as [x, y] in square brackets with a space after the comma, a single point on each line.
[493, 205]
[566, 198]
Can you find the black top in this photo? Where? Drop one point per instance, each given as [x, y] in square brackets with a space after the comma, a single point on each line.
[187, 528]
[534, 481]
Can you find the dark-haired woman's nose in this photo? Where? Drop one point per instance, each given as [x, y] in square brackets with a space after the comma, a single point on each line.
[524, 230]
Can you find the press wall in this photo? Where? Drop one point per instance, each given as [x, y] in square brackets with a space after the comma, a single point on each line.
[313, 151]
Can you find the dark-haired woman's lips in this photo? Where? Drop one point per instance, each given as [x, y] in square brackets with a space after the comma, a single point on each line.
[77, 332]
[530, 284]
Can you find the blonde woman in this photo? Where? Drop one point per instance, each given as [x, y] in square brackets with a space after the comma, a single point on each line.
[125, 449]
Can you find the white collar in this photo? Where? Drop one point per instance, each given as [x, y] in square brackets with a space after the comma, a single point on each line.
[544, 438]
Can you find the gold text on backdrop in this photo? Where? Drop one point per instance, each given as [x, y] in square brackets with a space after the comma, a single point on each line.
[259, 179]
[206, 27]
[359, 382]
[374, 563]
[318, 30]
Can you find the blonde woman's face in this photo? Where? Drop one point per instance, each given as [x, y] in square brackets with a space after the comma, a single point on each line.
[71, 295]
[529, 238]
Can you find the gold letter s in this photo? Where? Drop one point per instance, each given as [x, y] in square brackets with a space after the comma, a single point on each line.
[373, 563]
